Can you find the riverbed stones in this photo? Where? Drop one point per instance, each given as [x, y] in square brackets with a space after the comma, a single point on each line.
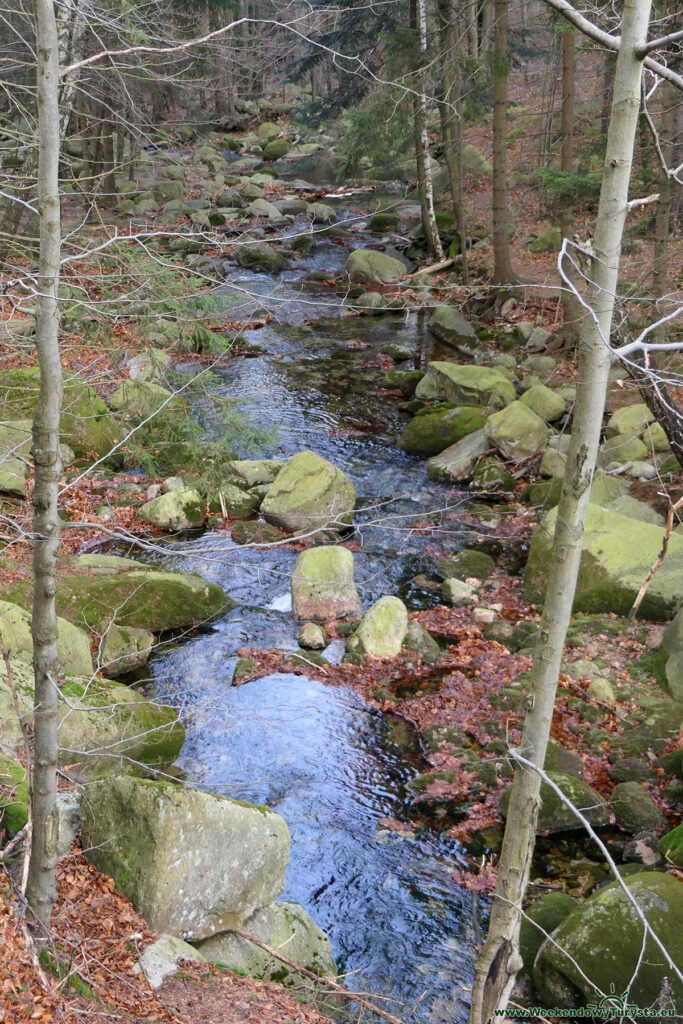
[250, 472]
[310, 494]
[457, 592]
[260, 256]
[321, 213]
[517, 432]
[94, 590]
[465, 385]
[262, 208]
[467, 562]
[323, 586]
[367, 266]
[456, 463]
[435, 428]
[449, 325]
[600, 945]
[491, 476]
[175, 511]
[193, 864]
[285, 927]
[139, 398]
[419, 640]
[312, 637]
[616, 557]
[554, 815]
[545, 403]
[383, 628]
[634, 808]
[13, 795]
[540, 920]
[621, 448]
[631, 420]
[276, 149]
[671, 846]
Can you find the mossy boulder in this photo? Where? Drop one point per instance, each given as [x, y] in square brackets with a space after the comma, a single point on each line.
[262, 208]
[631, 420]
[634, 808]
[238, 504]
[672, 656]
[554, 815]
[456, 463]
[467, 562]
[541, 920]
[465, 385]
[321, 213]
[405, 380]
[268, 130]
[73, 644]
[256, 532]
[418, 639]
[491, 475]
[250, 472]
[517, 432]
[547, 241]
[449, 325]
[435, 428]
[323, 586]
[86, 424]
[124, 649]
[598, 948]
[309, 494]
[671, 846]
[193, 864]
[312, 637]
[13, 795]
[138, 399]
[276, 149]
[95, 590]
[381, 222]
[621, 448]
[383, 628]
[175, 511]
[545, 403]
[367, 266]
[103, 726]
[660, 726]
[616, 557]
[284, 927]
[259, 256]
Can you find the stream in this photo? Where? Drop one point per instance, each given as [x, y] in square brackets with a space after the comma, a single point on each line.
[399, 925]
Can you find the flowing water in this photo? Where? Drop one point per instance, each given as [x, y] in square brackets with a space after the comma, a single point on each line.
[398, 924]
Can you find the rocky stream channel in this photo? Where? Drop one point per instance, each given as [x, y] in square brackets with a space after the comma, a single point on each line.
[399, 925]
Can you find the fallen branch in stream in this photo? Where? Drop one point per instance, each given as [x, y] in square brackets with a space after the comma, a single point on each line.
[433, 269]
[332, 985]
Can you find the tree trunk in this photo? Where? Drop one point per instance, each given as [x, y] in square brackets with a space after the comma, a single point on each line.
[424, 171]
[571, 306]
[451, 122]
[41, 885]
[499, 961]
[502, 267]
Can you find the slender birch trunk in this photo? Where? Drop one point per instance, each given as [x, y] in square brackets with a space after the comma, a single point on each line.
[41, 885]
[499, 960]
[424, 170]
[502, 266]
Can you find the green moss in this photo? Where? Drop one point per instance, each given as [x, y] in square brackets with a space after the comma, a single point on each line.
[435, 429]
[13, 798]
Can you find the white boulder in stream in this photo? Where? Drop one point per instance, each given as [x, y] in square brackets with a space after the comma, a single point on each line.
[383, 628]
[323, 585]
[309, 494]
[367, 266]
[191, 863]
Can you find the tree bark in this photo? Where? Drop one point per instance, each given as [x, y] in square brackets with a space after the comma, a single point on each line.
[451, 123]
[570, 305]
[41, 885]
[497, 965]
[502, 267]
[424, 170]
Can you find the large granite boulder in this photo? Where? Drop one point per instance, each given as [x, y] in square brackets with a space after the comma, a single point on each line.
[192, 864]
[616, 557]
[383, 628]
[124, 649]
[95, 590]
[598, 948]
[285, 927]
[456, 464]
[630, 420]
[634, 808]
[449, 325]
[102, 725]
[542, 918]
[517, 432]
[309, 494]
[672, 656]
[435, 428]
[138, 399]
[252, 472]
[671, 846]
[554, 815]
[465, 385]
[13, 795]
[367, 266]
[162, 958]
[545, 403]
[86, 424]
[323, 586]
[73, 644]
[175, 510]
